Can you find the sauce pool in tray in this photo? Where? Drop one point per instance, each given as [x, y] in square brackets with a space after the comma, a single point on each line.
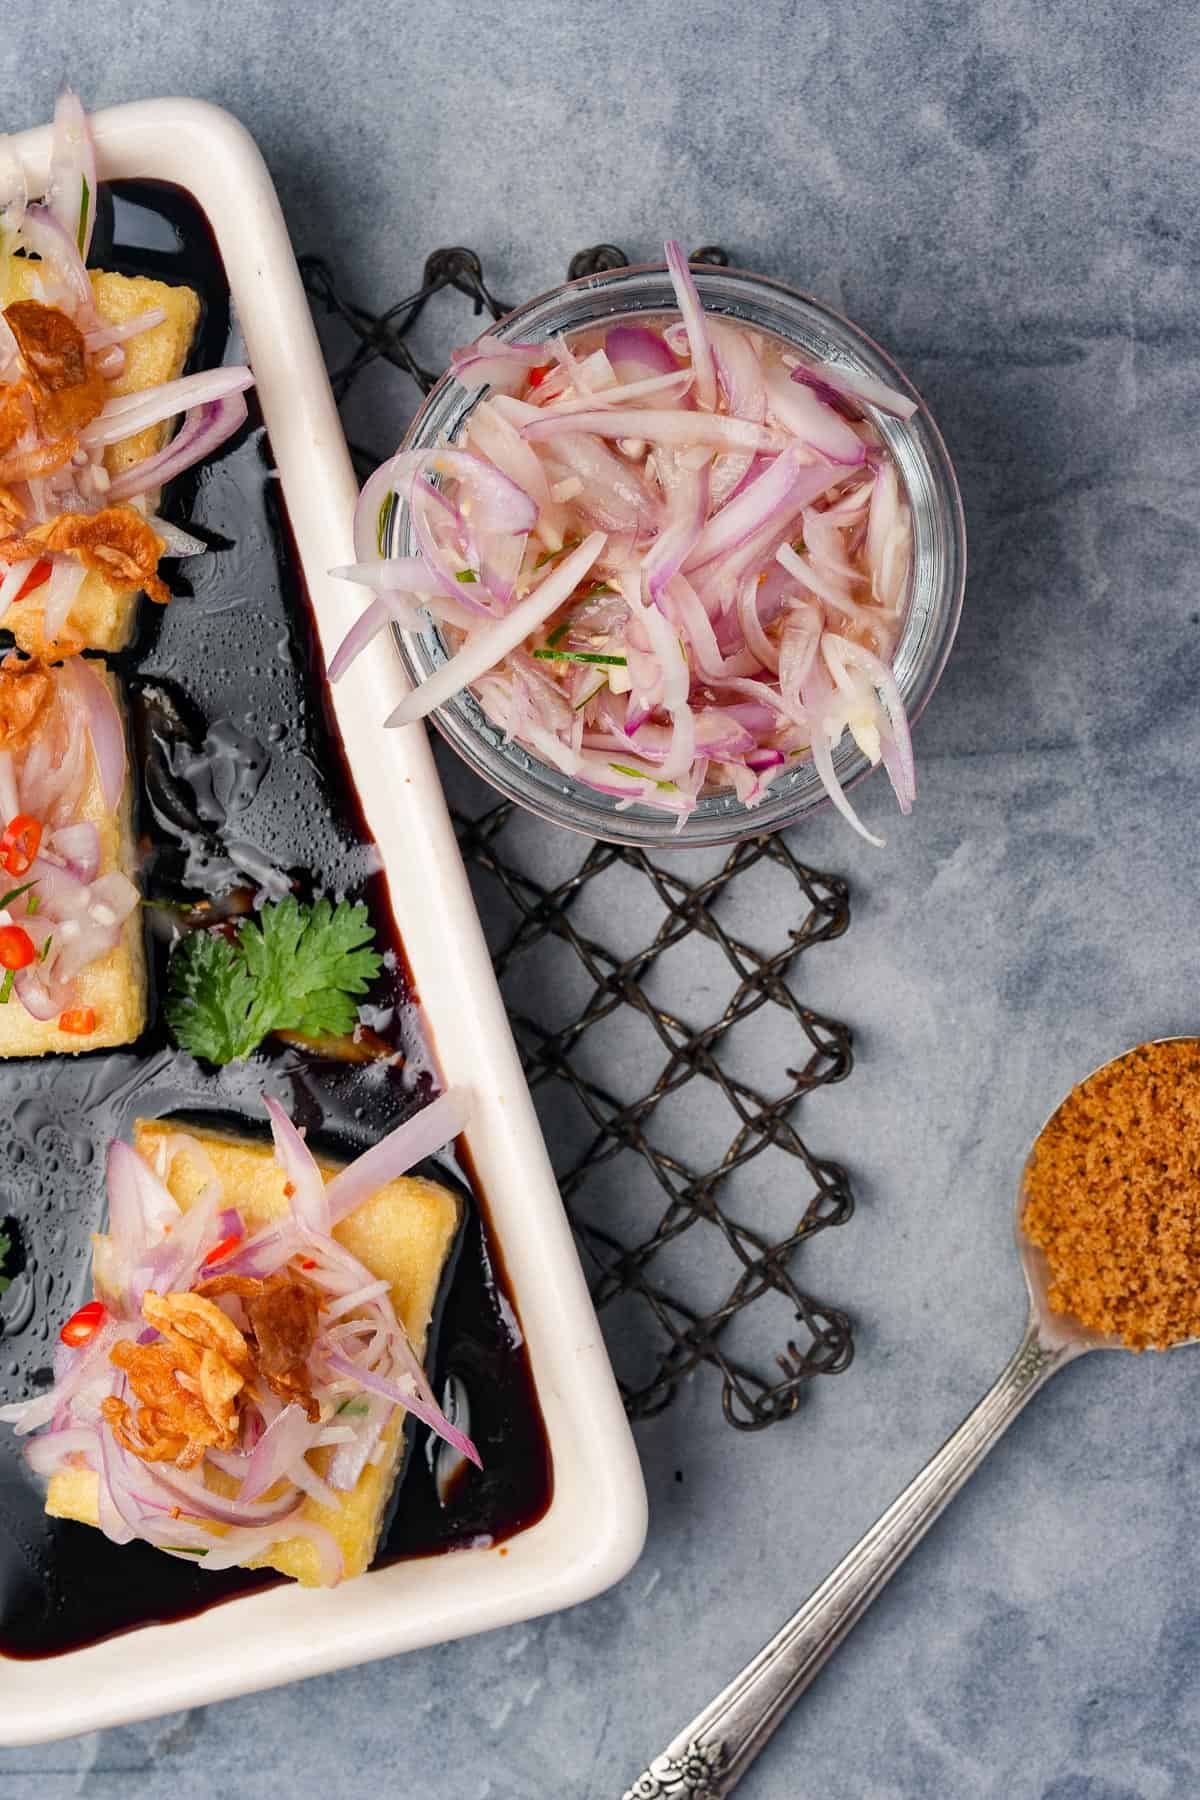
[241, 785]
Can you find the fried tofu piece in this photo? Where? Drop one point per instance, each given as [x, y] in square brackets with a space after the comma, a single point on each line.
[114, 986]
[102, 614]
[404, 1234]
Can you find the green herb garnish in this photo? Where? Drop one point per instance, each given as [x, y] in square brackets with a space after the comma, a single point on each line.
[580, 656]
[548, 556]
[32, 904]
[294, 968]
[15, 894]
[6, 986]
[6, 1245]
[84, 201]
[383, 524]
[46, 948]
[466, 575]
[638, 775]
[353, 1409]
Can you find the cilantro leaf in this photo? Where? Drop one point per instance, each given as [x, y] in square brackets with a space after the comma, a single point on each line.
[295, 968]
[210, 998]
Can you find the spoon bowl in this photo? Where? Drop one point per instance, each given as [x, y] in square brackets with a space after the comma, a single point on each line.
[1060, 1332]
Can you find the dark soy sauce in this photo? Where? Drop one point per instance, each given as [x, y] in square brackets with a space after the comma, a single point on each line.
[242, 785]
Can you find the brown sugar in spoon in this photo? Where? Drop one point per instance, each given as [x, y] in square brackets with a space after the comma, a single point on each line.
[1106, 1143]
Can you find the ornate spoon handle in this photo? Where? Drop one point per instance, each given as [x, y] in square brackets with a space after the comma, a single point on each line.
[710, 1756]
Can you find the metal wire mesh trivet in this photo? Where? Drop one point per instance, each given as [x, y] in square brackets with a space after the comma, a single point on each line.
[639, 1205]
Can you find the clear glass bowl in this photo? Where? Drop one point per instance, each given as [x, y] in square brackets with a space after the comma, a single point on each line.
[936, 580]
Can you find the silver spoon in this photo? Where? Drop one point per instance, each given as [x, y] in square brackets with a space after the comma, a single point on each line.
[710, 1756]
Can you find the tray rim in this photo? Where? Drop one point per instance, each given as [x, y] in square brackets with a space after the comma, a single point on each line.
[595, 1526]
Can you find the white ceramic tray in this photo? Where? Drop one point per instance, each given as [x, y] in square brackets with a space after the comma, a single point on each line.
[595, 1525]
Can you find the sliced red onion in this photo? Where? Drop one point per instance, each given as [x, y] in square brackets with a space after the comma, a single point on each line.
[205, 428]
[309, 1199]
[384, 610]
[350, 1459]
[42, 233]
[178, 543]
[681, 430]
[58, 594]
[692, 313]
[283, 1444]
[127, 414]
[739, 371]
[785, 487]
[636, 352]
[405, 1392]
[10, 805]
[848, 381]
[86, 1364]
[199, 1502]
[902, 769]
[79, 845]
[104, 335]
[814, 423]
[427, 1132]
[672, 386]
[687, 509]
[390, 574]
[490, 363]
[71, 195]
[46, 1455]
[239, 1549]
[488, 646]
[11, 583]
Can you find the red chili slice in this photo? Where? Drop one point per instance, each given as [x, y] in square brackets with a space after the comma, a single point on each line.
[40, 572]
[82, 1326]
[16, 948]
[19, 843]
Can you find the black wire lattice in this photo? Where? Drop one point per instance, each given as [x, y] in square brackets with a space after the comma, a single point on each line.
[623, 1143]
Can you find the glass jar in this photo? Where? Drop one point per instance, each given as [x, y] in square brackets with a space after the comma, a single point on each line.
[935, 582]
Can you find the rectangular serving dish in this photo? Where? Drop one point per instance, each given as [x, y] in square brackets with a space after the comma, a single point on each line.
[595, 1525]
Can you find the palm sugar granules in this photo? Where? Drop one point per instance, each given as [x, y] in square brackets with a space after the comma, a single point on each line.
[1113, 1198]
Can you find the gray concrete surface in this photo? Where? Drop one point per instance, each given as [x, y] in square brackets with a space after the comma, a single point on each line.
[1005, 196]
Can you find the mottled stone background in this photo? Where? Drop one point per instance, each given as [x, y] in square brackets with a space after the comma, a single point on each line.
[1005, 195]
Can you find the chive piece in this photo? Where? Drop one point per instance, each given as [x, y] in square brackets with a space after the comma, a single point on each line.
[383, 524]
[798, 546]
[590, 695]
[184, 1550]
[466, 575]
[548, 556]
[15, 894]
[352, 1409]
[599, 587]
[6, 987]
[46, 948]
[560, 631]
[32, 905]
[581, 656]
[84, 202]
[624, 769]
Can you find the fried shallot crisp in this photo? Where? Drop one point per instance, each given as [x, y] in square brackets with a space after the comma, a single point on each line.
[116, 543]
[281, 1323]
[25, 692]
[68, 393]
[189, 1382]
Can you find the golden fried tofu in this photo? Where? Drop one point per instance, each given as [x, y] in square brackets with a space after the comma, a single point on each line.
[102, 614]
[114, 986]
[403, 1234]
